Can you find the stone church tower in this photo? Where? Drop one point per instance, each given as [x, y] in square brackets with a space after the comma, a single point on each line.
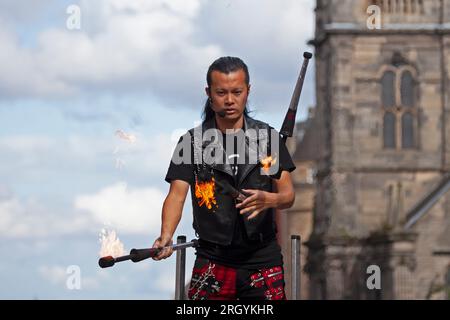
[379, 146]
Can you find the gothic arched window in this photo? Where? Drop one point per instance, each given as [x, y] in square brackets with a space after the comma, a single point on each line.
[407, 131]
[399, 103]
[389, 130]
[388, 86]
[407, 89]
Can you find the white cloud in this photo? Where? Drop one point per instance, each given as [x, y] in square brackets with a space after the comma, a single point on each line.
[129, 210]
[30, 219]
[133, 211]
[32, 155]
[161, 47]
[64, 161]
[128, 45]
[57, 275]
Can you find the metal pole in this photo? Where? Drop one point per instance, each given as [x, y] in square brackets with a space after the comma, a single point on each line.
[295, 267]
[180, 270]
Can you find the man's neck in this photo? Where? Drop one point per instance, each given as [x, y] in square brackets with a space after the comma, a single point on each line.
[234, 125]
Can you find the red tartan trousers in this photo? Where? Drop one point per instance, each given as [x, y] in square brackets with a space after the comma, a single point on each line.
[212, 281]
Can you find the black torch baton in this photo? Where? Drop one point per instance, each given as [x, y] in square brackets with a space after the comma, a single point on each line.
[225, 187]
[137, 255]
[287, 129]
[231, 191]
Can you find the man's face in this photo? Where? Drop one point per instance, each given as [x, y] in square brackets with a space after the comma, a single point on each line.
[229, 93]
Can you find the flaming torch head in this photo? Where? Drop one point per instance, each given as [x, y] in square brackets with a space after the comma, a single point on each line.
[112, 248]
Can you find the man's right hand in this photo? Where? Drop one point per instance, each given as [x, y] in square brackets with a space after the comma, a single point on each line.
[161, 242]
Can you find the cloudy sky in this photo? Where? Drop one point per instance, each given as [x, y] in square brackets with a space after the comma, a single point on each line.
[137, 66]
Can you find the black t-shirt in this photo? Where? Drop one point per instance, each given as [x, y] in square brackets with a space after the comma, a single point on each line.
[242, 252]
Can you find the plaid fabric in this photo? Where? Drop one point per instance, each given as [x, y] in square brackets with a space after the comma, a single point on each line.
[211, 281]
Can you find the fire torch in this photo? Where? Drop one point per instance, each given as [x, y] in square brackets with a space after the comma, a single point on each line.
[287, 129]
[137, 255]
[226, 187]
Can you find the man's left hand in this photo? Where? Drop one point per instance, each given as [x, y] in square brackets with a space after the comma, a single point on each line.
[256, 202]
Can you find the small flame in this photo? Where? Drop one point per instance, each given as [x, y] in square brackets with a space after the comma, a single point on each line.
[111, 245]
[204, 191]
[267, 162]
[126, 136]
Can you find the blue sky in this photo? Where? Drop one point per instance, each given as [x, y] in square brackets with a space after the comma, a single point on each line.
[136, 66]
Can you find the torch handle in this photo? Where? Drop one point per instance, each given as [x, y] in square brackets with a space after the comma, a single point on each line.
[230, 190]
[287, 129]
[192, 243]
[137, 255]
[142, 254]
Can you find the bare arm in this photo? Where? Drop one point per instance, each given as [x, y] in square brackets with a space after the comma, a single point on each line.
[171, 216]
[259, 200]
[285, 191]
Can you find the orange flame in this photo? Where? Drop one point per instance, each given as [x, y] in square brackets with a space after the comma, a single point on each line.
[204, 192]
[267, 162]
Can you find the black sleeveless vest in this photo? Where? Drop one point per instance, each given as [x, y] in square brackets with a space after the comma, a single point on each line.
[216, 225]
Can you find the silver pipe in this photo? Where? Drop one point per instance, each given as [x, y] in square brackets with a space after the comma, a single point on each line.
[185, 245]
[295, 267]
[180, 269]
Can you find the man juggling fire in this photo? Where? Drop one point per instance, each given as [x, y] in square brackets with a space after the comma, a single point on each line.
[238, 171]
